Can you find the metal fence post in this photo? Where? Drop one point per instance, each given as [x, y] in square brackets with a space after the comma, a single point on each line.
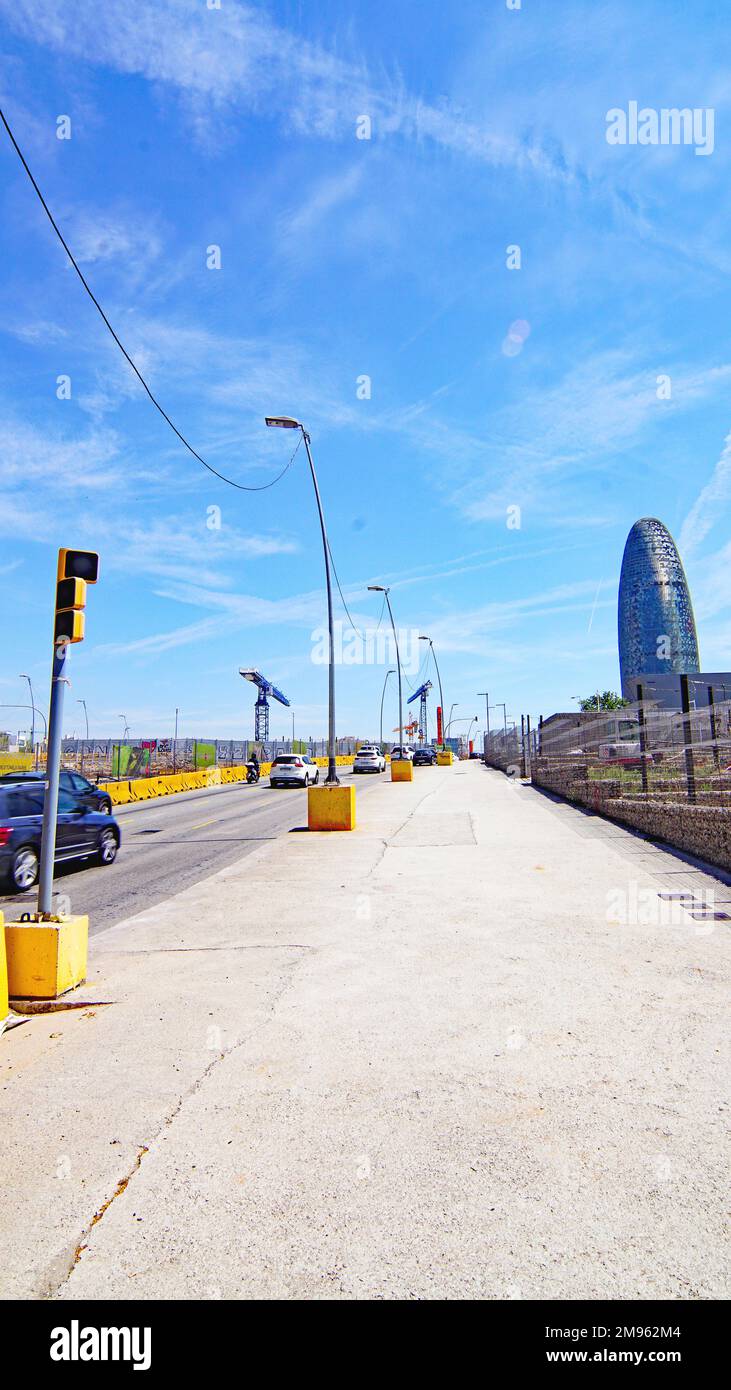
[688, 739]
[714, 730]
[643, 737]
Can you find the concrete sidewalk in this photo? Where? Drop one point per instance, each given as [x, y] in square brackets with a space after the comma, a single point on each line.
[415, 1061]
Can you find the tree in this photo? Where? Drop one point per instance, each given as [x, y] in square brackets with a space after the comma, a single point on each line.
[609, 700]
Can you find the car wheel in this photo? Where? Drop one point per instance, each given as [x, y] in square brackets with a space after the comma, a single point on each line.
[317, 777]
[24, 868]
[108, 846]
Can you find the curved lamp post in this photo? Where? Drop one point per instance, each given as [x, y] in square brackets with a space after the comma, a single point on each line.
[86, 717]
[23, 677]
[286, 422]
[392, 672]
[379, 589]
[441, 696]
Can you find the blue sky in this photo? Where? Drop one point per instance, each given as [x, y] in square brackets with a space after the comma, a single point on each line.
[342, 258]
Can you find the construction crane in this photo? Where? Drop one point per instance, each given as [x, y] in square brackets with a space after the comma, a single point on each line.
[261, 708]
[421, 695]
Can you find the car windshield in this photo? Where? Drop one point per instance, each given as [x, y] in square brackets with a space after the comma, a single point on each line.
[286, 758]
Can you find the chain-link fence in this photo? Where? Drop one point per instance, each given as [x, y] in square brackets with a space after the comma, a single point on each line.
[107, 759]
[664, 772]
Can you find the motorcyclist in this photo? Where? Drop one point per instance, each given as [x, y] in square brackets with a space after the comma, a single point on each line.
[254, 761]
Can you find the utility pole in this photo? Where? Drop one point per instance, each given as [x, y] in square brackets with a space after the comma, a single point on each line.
[487, 710]
[175, 740]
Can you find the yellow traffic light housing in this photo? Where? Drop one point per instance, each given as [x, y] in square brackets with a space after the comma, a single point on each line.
[76, 569]
[69, 626]
[78, 564]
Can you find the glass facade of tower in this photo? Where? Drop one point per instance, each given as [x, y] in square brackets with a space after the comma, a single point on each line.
[656, 624]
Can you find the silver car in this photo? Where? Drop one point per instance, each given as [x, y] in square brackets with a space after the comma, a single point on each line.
[293, 770]
[369, 759]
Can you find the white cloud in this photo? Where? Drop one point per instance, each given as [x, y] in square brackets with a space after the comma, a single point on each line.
[706, 509]
[238, 57]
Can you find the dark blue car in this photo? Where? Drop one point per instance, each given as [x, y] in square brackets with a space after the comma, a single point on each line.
[80, 833]
[69, 781]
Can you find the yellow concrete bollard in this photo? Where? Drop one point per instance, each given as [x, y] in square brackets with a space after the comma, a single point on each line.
[331, 808]
[45, 959]
[3, 975]
[445, 757]
[402, 770]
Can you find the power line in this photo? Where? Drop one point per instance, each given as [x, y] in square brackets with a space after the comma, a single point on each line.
[243, 487]
[345, 606]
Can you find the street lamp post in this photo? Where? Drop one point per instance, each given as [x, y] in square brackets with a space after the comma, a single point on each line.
[175, 741]
[86, 717]
[501, 705]
[441, 696]
[286, 422]
[487, 710]
[379, 589]
[23, 677]
[36, 710]
[383, 694]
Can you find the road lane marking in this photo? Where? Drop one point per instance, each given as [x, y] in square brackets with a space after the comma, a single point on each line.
[201, 823]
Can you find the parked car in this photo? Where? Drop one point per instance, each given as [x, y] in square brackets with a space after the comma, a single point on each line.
[369, 759]
[293, 770]
[425, 757]
[93, 797]
[81, 833]
[401, 750]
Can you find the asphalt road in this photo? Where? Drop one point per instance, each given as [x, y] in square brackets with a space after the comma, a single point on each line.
[172, 842]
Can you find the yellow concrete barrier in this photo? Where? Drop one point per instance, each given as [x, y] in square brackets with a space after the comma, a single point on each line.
[166, 784]
[45, 959]
[445, 757]
[331, 808]
[402, 770]
[3, 974]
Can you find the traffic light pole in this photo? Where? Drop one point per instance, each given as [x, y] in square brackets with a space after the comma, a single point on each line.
[53, 767]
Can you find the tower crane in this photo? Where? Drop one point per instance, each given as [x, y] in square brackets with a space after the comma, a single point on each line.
[421, 695]
[261, 708]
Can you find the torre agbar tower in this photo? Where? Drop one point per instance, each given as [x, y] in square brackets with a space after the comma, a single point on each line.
[656, 624]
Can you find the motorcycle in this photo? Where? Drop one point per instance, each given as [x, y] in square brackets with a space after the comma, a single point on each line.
[253, 772]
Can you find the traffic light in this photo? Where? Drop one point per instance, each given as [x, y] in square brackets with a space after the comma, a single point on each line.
[78, 564]
[76, 569]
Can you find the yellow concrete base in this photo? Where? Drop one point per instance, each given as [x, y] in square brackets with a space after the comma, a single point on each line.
[3, 975]
[445, 757]
[331, 808]
[402, 770]
[46, 959]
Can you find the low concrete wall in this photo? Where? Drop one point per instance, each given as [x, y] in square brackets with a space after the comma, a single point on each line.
[701, 829]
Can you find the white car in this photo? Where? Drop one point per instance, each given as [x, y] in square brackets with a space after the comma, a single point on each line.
[369, 759]
[400, 751]
[293, 770]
